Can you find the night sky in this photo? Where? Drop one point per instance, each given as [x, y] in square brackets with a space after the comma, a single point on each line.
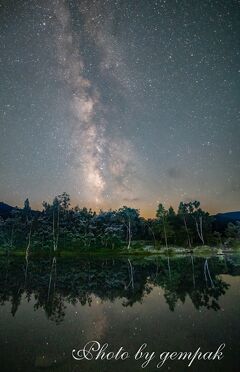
[120, 103]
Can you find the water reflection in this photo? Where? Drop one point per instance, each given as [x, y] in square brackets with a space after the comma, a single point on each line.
[54, 283]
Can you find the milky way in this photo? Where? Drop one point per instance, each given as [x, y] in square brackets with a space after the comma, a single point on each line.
[120, 102]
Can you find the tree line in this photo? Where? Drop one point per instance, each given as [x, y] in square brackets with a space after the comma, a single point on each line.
[60, 227]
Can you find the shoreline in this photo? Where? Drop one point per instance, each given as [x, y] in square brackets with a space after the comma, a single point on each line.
[171, 252]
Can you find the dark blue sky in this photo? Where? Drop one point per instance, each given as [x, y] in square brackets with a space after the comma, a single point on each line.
[120, 102]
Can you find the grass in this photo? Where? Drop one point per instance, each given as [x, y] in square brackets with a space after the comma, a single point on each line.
[138, 248]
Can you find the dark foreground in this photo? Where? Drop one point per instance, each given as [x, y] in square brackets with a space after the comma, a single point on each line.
[50, 307]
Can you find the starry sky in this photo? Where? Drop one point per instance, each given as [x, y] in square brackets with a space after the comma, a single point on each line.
[120, 102]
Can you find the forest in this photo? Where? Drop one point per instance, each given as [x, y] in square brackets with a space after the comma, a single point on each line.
[61, 227]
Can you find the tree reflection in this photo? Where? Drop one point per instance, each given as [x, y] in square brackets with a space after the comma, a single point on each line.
[52, 285]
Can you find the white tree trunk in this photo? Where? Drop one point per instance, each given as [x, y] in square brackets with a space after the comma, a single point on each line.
[53, 270]
[193, 272]
[154, 239]
[55, 231]
[131, 273]
[186, 228]
[169, 269]
[165, 234]
[207, 272]
[199, 229]
[29, 242]
[27, 254]
[129, 234]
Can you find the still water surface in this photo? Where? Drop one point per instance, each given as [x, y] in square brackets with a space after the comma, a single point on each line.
[53, 306]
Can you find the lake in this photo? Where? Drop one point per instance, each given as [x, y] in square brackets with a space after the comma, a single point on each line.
[52, 306]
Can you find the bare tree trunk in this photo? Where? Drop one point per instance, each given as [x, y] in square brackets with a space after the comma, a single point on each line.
[53, 222]
[207, 272]
[165, 234]
[26, 271]
[129, 233]
[131, 272]
[29, 242]
[199, 230]
[53, 270]
[27, 255]
[186, 228]
[154, 239]
[169, 269]
[55, 231]
[57, 228]
[194, 283]
[55, 274]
